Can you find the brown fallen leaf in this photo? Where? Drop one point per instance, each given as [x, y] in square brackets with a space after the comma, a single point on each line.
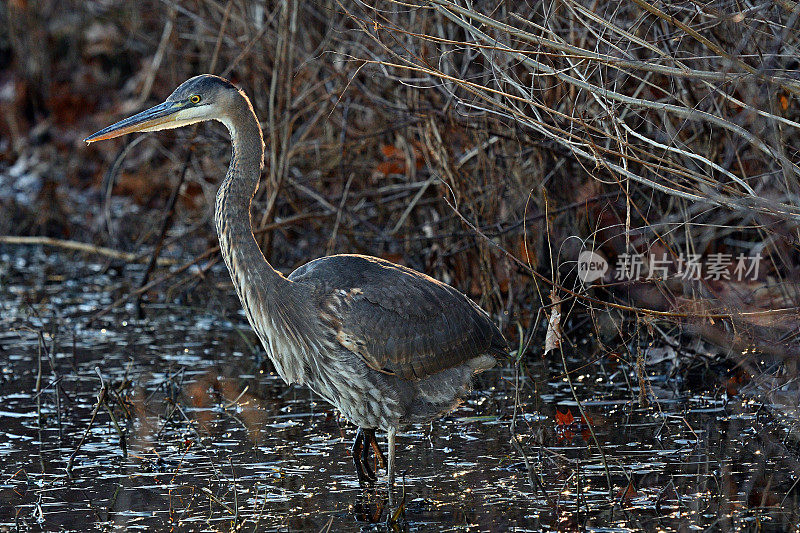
[564, 419]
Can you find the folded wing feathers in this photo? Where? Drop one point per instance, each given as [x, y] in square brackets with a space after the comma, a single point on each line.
[415, 331]
[398, 320]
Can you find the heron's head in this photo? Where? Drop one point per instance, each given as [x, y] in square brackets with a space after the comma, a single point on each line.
[204, 97]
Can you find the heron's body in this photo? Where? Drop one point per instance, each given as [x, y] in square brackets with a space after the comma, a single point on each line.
[383, 343]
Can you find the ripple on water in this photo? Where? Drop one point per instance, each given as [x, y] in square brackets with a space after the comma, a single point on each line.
[209, 436]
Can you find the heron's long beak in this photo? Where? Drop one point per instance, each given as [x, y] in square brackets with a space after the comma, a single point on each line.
[149, 120]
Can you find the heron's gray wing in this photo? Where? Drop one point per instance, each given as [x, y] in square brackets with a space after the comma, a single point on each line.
[400, 321]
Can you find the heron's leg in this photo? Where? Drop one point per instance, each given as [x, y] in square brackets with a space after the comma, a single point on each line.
[370, 440]
[358, 445]
[365, 451]
[390, 435]
[359, 458]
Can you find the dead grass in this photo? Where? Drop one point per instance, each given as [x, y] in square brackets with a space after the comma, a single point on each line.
[485, 146]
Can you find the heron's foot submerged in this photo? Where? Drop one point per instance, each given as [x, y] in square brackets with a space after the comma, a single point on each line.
[365, 440]
[393, 517]
[369, 505]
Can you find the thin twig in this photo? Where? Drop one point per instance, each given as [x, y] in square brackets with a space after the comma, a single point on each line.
[80, 247]
[101, 398]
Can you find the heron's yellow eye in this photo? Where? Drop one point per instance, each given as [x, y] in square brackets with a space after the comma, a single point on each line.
[195, 99]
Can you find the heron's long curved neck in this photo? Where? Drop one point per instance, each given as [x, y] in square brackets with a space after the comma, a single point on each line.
[277, 309]
[244, 259]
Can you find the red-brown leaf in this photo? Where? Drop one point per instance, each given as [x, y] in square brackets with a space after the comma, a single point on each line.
[564, 419]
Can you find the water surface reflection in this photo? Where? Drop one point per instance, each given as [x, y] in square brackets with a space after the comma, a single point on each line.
[214, 442]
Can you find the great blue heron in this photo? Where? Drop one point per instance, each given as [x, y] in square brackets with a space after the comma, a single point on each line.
[383, 343]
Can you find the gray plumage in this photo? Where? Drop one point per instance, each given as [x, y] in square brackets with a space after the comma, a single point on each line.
[383, 343]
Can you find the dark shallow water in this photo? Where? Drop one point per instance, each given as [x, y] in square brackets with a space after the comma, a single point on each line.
[212, 441]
